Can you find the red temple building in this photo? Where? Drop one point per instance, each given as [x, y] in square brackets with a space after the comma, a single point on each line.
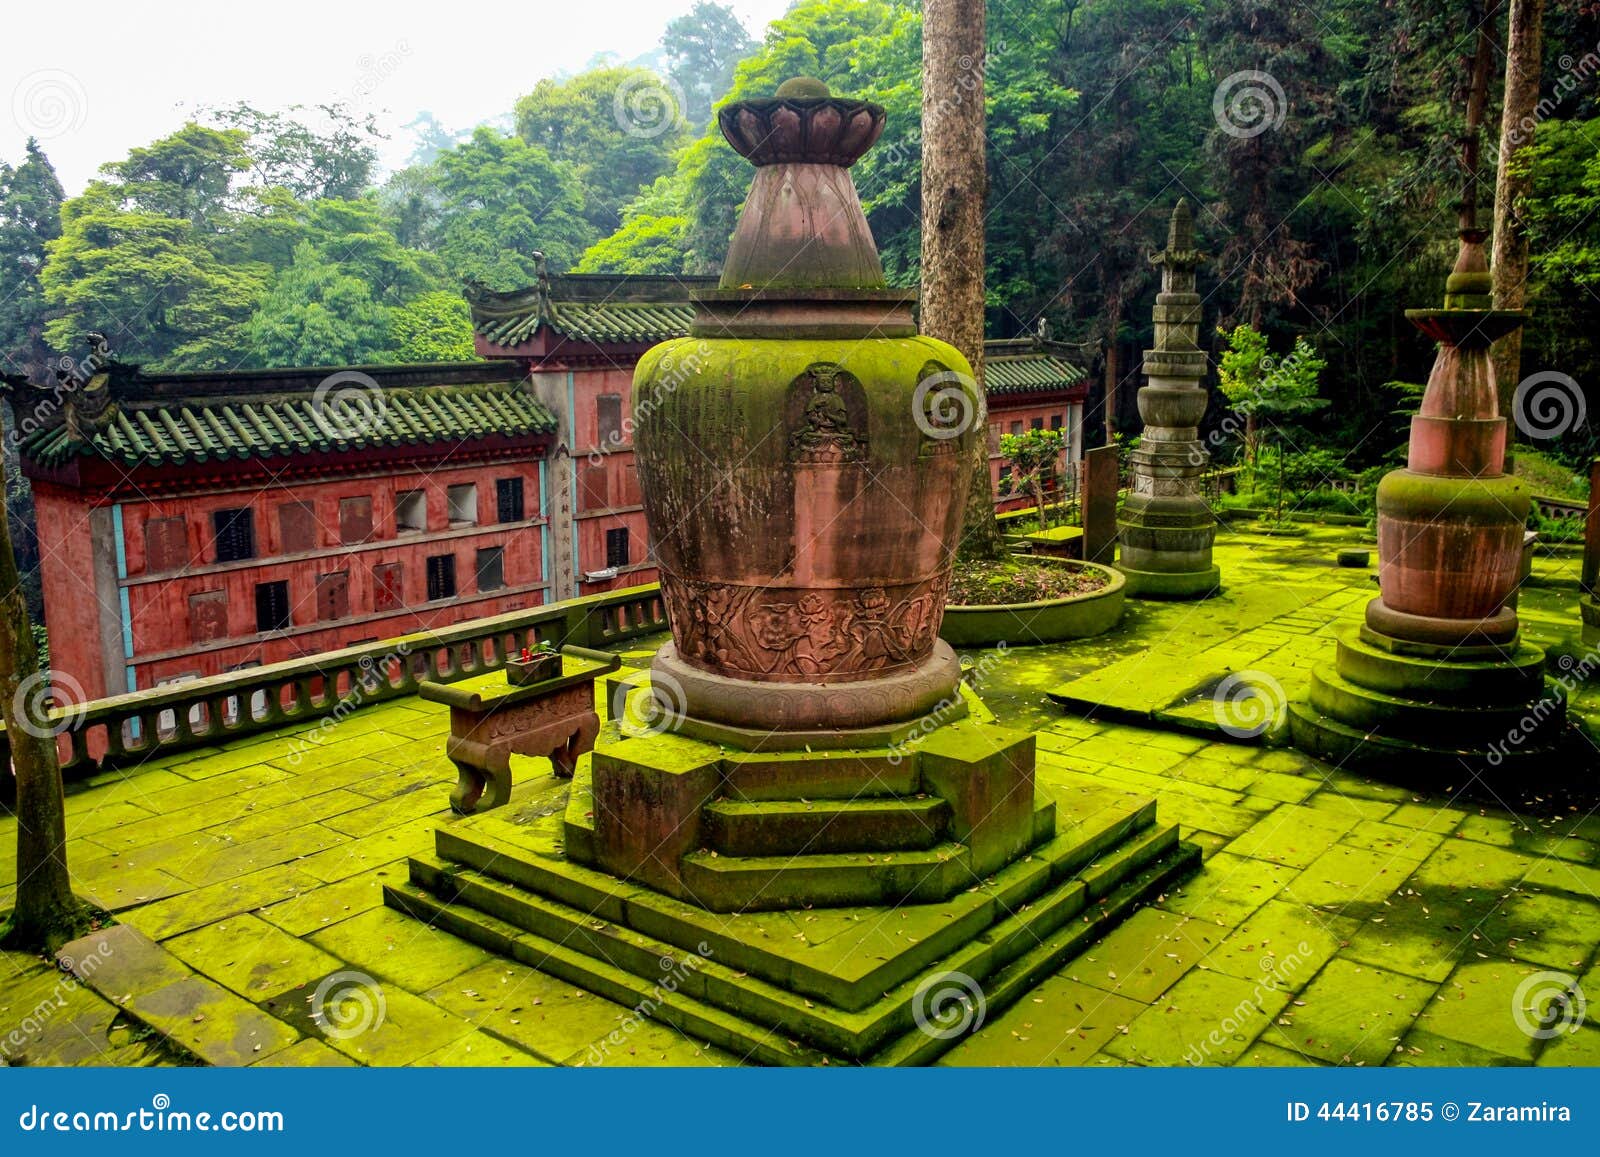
[193, 524]
[577, 338]
[1031, 384]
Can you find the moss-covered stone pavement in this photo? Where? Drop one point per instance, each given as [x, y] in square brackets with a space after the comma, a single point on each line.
[1337, 920]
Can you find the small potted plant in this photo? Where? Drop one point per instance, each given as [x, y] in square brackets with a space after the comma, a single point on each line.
[534, 666]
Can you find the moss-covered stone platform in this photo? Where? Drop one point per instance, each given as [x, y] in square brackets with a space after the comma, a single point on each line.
[852, 984]
[1336, 919]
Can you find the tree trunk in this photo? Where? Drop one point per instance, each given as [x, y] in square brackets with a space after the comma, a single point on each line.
[1477, 100]
[1510, 258]
[953, 187]
[47, 914]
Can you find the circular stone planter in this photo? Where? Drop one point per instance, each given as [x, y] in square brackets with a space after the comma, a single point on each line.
[1047, 621]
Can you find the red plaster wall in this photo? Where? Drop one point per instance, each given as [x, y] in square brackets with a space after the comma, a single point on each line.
[69, 596]
[1003, 412]
[159, 609]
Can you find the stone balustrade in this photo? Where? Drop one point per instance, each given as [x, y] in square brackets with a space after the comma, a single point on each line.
[131, 728]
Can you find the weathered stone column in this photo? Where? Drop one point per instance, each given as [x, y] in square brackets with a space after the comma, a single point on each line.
[1438, 678]
[1166, 528]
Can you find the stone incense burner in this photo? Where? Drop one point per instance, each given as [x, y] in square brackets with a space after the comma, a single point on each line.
[804, 453]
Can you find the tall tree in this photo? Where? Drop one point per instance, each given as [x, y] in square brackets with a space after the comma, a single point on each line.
[1514, 181]
[288, 150]
[146, 280]
[954, 181]
[616, 127]
[1273, 97]
[503, 199]
[46, 914]
[702, 47]
[30, 218]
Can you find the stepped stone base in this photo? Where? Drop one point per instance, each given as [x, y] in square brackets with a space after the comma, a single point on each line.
[857, 905]
[1152, 584]
[1424, 714]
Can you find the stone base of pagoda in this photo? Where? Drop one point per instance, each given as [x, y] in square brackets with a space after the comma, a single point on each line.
[1589, 611]
[796, 707]
[858, 904]
[1433, 714]
[1164, 547]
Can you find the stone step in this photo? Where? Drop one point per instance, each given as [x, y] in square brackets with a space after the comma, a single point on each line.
[799, 827]
[1435, 724]
[707, 998]
[692, 1017]
[1416, 764]
[770, 883]
[844, 774]
[1110, 838]
[1049, 955]
[1519, 678]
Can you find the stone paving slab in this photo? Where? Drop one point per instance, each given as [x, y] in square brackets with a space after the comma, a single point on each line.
[134, 973]
[1327, 902]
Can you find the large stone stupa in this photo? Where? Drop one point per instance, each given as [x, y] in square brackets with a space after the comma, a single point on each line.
[803, 817]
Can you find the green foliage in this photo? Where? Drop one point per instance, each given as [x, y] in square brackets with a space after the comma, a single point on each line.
[30, 218]
[645, 244]
[188, 176]
[702, 48]
[432, 327]
[616, 128]
[287, 153]
[1035, 457]
[148, 281]
[503, 200]
[318, 313]
[1254, 382]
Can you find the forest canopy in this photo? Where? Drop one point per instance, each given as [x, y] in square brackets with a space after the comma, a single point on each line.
[1325, 182]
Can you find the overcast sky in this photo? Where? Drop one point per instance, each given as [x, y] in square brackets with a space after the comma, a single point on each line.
[92, 79]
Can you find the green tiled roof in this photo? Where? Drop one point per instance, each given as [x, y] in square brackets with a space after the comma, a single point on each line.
[592, 308]
[1027, 372]
[217, 417]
